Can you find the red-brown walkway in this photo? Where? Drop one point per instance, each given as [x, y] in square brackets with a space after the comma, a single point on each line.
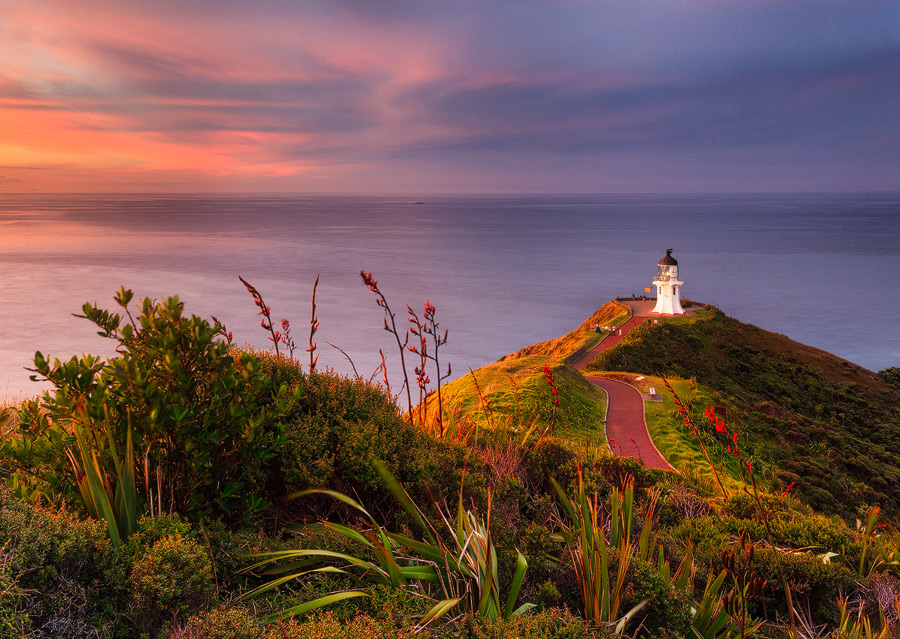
[626, 429]
[608, 342]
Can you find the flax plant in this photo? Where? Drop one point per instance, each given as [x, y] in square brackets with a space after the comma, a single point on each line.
[420, 349]
[266, 322]
[457, 565]
[110, 498]
[711, 620]
[590, 549]
[859, 626]
[749, 478]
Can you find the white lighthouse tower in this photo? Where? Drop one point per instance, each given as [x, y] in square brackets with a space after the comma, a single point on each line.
[667, 285]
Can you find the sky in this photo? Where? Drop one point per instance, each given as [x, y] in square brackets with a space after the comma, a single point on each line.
[449, 96]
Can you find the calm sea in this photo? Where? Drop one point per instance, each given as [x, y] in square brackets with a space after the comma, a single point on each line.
[503, 271]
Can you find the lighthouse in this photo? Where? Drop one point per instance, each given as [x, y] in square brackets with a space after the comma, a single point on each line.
[667, 285]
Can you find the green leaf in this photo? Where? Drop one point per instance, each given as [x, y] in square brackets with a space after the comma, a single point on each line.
[282, 580]
[316, 603]
[404, 499]
[439, 610]
[518, 578]
[98, 492]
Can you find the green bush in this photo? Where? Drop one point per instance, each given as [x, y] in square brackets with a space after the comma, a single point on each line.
[818, 532]
[222, 623]
[58, 572]
[339, 425]
[711, 532]
[552, 623]
[329, 626]
[890, 376]
[397, 606]
[14, 620]
[335, 430]
[551, 458]
[541, 550]
[813, 583]
[171, 574]
[203, 421]
[666, 609]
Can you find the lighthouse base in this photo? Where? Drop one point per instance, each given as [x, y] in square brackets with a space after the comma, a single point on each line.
[667, 299]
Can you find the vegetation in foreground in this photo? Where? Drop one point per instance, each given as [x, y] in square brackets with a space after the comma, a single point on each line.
[190, 489]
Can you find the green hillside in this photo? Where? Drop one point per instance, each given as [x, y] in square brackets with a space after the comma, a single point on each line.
[823, 424]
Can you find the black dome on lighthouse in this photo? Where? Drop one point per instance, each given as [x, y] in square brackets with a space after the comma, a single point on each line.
[668, 260]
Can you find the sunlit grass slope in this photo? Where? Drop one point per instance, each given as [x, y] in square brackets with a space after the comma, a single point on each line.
[583, 337]
[518, 396]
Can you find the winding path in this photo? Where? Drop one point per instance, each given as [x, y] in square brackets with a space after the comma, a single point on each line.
[626, 429]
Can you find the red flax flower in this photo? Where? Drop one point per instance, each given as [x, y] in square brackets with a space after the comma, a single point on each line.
[368, 280]
[689, 423]
[551, 382]
[390, 325]
[432, 327]
[224, 332]
[286, 338]
[266, 311]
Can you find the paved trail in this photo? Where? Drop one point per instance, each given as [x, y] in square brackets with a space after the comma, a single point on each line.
[626, 429]
[608, 342]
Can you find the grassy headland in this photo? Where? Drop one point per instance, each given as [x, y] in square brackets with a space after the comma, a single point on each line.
[143, 493]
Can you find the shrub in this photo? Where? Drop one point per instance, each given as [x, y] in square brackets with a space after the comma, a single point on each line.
[220, 623]
[667, 609]
[14, 620]
[890, 376]
[58, 573]
[743, 506]
[550, 458]
[819, 532]
[547, 595]
[338, 425]
[552, 623]
[171, 573]
[541, 550]
[814, 584]
[335, 430]
[201, 418]
[328, 626]
[396, 606]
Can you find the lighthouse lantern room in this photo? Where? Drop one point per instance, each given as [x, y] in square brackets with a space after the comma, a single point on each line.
[667, 287]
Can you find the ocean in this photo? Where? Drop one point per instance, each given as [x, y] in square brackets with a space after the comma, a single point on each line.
[502, 271]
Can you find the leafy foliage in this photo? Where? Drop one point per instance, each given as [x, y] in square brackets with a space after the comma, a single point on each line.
[171, 574]
[58, 573]
[890, 376]
[201, 422]
[463, 569]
